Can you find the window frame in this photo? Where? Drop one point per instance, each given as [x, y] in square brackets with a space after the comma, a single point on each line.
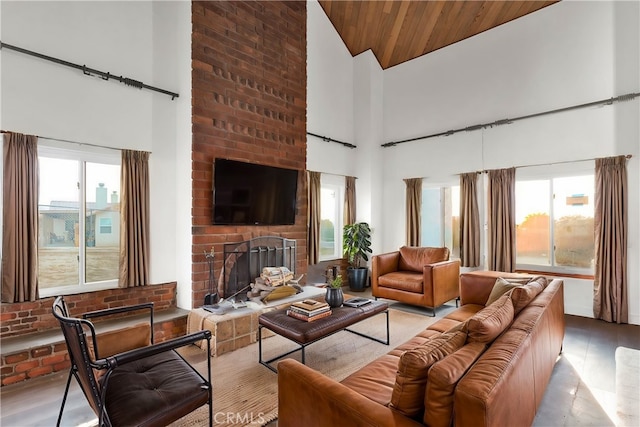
[551, 172]
[88, 154]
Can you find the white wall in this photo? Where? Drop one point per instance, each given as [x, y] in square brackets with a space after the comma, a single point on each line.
[570, 53]
[330, 86]
[142, 40]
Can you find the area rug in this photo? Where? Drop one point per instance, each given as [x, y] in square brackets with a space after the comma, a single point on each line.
[627, 386]
[245, 393]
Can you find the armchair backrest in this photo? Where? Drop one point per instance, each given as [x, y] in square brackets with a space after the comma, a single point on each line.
[78, 348]
[414, 258]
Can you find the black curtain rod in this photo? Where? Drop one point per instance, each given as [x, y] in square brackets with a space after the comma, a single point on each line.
[69, 141]
[327, 139]
[610, 101]
[89, 71]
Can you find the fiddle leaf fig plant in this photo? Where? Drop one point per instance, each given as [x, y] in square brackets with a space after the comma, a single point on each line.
[356, 243]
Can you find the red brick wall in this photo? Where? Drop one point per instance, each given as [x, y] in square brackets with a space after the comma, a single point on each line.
[249, 104]
[28, 317]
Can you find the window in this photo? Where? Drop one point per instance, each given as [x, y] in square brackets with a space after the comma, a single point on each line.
[331, 216]
[440, 216]
[105, 225]
[554, 224]
[78, 235]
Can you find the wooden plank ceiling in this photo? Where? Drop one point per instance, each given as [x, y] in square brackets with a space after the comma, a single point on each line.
[400, 30]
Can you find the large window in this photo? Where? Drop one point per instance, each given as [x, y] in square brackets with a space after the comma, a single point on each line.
[554, 224]
[79, 217]
[332, 208]
[440, 215]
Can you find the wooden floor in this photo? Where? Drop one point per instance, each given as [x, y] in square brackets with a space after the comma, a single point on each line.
[582, 390]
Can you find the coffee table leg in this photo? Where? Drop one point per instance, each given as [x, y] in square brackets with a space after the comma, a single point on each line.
[386, 312]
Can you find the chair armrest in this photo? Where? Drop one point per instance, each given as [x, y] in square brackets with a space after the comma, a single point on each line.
[442, 280]
[332, 402]
[140, 353]
[382, 264]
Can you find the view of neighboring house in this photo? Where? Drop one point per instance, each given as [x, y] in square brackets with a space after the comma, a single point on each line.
[59, 225]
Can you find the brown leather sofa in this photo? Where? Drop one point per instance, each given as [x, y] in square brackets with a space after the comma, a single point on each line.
[478, 366]
[422, 276]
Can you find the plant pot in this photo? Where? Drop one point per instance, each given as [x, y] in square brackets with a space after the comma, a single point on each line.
[334, 297]
[357, 278]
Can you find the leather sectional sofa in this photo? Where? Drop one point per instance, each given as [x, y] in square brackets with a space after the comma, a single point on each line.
[485, 364]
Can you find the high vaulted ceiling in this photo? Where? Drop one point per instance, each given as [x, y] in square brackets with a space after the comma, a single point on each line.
[400, 30]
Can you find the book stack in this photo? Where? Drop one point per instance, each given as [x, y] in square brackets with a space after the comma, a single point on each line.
[309, 310]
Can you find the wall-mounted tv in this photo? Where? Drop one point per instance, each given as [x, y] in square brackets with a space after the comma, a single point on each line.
[249, 193]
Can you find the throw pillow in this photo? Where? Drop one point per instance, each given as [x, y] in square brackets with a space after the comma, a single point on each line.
[523, 295]
[411, 379]
[488, 323]
[502, 286]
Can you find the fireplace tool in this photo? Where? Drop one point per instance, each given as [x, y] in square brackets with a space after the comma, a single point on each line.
[212, 297]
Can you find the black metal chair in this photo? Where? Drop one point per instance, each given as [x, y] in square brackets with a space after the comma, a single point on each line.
[151, 385]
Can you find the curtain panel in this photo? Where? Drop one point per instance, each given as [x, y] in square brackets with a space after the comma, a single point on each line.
[313, 221]
[134, 219]
[502, 220]
[610, 279]
[20, 218]
[412, 210]
[469, 220]
[349, 200]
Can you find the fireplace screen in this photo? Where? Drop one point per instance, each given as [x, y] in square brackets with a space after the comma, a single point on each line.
[244, 261]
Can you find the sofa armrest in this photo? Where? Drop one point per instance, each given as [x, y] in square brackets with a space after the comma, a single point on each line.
[442, 281]
[383, 264]
[309, 398]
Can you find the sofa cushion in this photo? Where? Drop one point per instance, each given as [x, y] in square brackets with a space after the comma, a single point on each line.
[523, 295]
[402, 280]
[502, 286]
[415, 258]
[488, 323]
[441, 385]
[376, 379]
[411, 378]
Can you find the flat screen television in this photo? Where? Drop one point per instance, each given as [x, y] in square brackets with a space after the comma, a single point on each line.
[249, 193]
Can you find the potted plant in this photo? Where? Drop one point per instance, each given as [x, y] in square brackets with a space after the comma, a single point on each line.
[334, 296]
[356, 244]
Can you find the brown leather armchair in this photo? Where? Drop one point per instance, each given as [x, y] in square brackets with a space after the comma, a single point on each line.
[422, 276]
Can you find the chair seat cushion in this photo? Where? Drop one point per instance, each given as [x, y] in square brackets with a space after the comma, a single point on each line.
[402, 280]
[163, 385]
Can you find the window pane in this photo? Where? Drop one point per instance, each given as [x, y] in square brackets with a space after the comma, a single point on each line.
[573, 221]
[102, 209]
[58, 208]
[533, 241]
[432, 220]
[328, 203]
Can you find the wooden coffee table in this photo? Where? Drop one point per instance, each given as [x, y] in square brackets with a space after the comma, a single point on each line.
[306, 333]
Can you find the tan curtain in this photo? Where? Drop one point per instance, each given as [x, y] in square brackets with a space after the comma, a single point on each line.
[412, 210]
[349, 200]
[469, 221]
[20, 218]
[313, 239]
[134, 219]
[502, 220]
[610, 281]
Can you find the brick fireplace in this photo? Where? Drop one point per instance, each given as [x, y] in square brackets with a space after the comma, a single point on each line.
[248, 103]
